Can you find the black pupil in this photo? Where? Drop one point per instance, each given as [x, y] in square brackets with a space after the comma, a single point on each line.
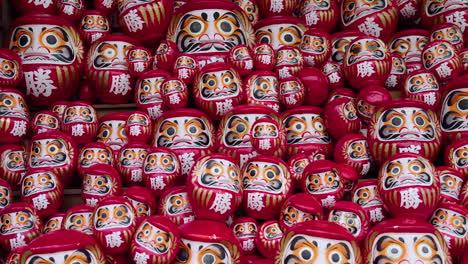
[335, 257]
[351, 5]
[51, 40]
[419, 121]
[119, 213]
[23, 40]
[396, 121]
[211, 82]
[425, 250]
[306, 254]
[105, 133]
[104, 215]
[264, 40]
[253, 172]
[195, 27]
[394, 251]
[78, 222]
[193, 130]
[170, 131]
[208, 259]
[372, 47]
[270, 174]
[182, 255]
[226, 27]
[240, 128]
[463, 104]
[288, 38]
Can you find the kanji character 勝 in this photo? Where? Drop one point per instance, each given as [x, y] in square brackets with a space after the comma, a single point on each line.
[276, 6]
[136, 175]
[312, 18]
[264, 144]
[133, 21]
[18, 241]
[365, 69]
[174, 99]
[410, 198]
[248, 245]
[430, 98]
[39, 82]
[135, 131]
[40, 202]
[78, 130]
[19, 128]
[187, 161]
[376, 215]
[107, 3]
[114, 239]
[444, 70]
[329, 202]
[44, 3]
[120, 84]
[157, 183]
[255, 201]
[369, 27]
[141, 258]
[68, 9]
[223, 107]
[457, 18]
[222, 203]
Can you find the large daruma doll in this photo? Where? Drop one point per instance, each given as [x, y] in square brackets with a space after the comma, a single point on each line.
[52, 57]
[107, 69]
[409, 186]
[404, 126]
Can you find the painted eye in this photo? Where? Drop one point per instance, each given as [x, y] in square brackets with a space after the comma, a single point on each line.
[110, 53]
[270, 175]
[217, 170]
[288, 37]
[226, 27]
[8, 102]
[208, 258]
[416, 168]
[24, 40]
[335, 257]
[396, 121]
[51, 40]
[394, 252]
[424, 250]
[227, 80]
[265, 39]
[462, 104]
[53, 149]
[170, 131]
[196, 27]
[350, 5]
[192, 130]
[240, 128]
[350, 221]
[253, 173]
[318, 126]
[306, 254]
[395, 171]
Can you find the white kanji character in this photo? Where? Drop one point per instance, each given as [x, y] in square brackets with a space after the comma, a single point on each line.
[40, 202]
[264, 144]
[141, 258]
[133, 21]
[329, 202]
[92, 201]
[157, 183]
[391, 81]
[78, 130]
[410, 198]
[18, 241]
[410, 149]
[365, 69]
[136, 175]
[139, 66]
[376, 215]
[430, 98]
[255, 201]
[265, 59]
[275, 107]
[408, 11]
[183, 73]
[187, 162]
[276, 6]
[135, 131]
[291, 100]
[369, 27]
[458, 18]
[223, 107]
[107, 3]
[39, 83]
[189, 219]
[249, 65]
[311, 18]
[154, 112]
[310, 60]
[284, 73]
[44, 3]
[444, 70]
[334, 77]
[68, 9]
[96, 36]
[245, 157]
[222, 203]
[114, 239]
[174, 99]
[19, 128]
[248, 245]
[120, 84]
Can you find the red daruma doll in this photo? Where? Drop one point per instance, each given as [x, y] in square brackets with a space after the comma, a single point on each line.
[140, 60]
[408, 185]
[11, 71]
[80, 121]
[175, 93]
[114, 224]
[139, 127]
[130, 161]
[175, 205]
[13, 164]
[14, 116]
[94, 25]
[107, 69]
[267, 137]
[94, 153]
[99, 182]
[214, 187]
[112, 131]
[161, 170]
[52, 57]
[267, 184]
[148, 97]
[45, 121]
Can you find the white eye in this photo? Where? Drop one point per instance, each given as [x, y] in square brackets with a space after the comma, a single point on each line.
[350, 221]
[394, 251]
[335, 257]
[110, 53]
[395, 171]
[424, 250]
[227, 79]
[416, 168]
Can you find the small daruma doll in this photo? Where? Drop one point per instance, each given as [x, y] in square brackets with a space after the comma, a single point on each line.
[140, 60]
[341, 117]
[148, 97]
[405, 240]
[404, 126]
[45, 121]
[324, 180]
[139, 127]
[114, 224]
[94, 25]
[188, 132]
[318, 242]
[452, 112]
[165, 56]
[107, 69]
[456, 154]
[58, 108]
[280, 31]
[218, 89]
[112, 131]
[409, 186]
[269, 238]
[80, 121]
[451, 182]
[267, 184]
[353, 150]
[11, 71]
[100, 181]
[64, 246]
[320, 14]
[94, 153]
[6, 194]
[264, 57]
[53, 223]
[130, 161]
[397, 72]
[52, 56]
[175, 93]
[156, 240]
[204, 241]
[142, 200]
[185, 67]
[175, 205]
[261, 88]
[14, 116]
[245, 229]
[299, 208]
[364, 194]
[451, 221]
[71, 10]
[316, 47]
[289, 61]
[367, 61]
[241, 58]
[422, 85]
[161, 169]
[352, 217]
[291, 92]
[214, 187]
[442, 59]
[448, 32]
[54, 151]
[19, 225]
[267, 137]
[79, 218]
[369, 99]
[13, 164]
[44, 190]
[409, 44]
